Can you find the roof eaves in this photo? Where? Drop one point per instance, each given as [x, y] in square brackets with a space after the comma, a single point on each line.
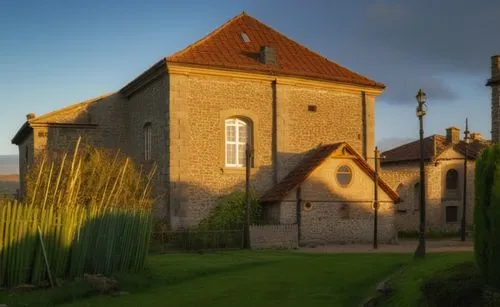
[145, 78]
[42, 118]
[25, 130]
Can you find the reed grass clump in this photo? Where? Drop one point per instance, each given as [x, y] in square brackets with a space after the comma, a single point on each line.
[85, 211]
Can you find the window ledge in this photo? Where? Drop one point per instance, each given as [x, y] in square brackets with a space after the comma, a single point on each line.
[236, 170]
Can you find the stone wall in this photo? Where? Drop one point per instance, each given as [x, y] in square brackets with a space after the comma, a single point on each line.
[149, 105]
[495, 99]
[403, 177]
[331, 213]
[335, 222]
[200, 104]
[198, 108]
[338, 118]
[26, 156]
[273, 236]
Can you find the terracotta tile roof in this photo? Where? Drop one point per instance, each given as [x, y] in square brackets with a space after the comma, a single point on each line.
[225, 48]
[310, 163]
[434, 146]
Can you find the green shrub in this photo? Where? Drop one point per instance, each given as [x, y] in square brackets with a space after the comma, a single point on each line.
[487, 215]
[230, 212]
[460, 285]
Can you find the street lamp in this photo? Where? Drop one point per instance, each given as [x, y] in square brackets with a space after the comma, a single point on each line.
[421, 110]
[464, 211]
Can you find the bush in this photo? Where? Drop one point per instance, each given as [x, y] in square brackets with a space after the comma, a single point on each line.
[230, 212]
[87, 176]
[460, 285]
[487, 216]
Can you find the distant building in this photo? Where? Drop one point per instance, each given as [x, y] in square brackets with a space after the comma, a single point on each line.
[444, 175]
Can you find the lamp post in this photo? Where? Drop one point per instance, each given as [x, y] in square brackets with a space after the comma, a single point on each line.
[421, 110]
[464, 198]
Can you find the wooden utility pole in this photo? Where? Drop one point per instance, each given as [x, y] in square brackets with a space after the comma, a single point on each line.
[248, 162]
[375, 203]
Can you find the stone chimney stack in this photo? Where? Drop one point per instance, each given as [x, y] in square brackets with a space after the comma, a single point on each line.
[453, 135]
[476, 136]
[494, 83]
[30, 116]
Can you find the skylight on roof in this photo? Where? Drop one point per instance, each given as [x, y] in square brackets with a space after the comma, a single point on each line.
[245, 37]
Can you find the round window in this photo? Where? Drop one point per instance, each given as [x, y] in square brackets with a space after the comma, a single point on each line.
[344, 175]
[308, 206]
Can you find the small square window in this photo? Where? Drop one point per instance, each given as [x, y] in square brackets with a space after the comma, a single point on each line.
[312, 108]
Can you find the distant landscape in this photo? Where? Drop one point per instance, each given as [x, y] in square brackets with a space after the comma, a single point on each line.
[9, 178]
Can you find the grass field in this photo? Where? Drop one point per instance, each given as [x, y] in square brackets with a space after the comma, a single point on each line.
[407, 282]
[257, 279]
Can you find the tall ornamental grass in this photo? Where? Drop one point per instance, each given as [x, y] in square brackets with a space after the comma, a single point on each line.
[86, 211]
[487, 216]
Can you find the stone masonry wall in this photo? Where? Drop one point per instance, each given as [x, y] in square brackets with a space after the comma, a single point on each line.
[338, 118]
[274, 236]
[198, 108]
[403, 176]
[335, 222]
[495, 99]
[336, 213]
[200, 104]
[150, 105]
[26, 156]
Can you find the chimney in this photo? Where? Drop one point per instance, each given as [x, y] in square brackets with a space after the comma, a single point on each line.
[30, 116]
[495, 67]
[476, 136]
[453, 135]
[268, 55]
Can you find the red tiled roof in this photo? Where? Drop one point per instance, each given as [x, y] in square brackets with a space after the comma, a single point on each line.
[225, 48]
[310, 163]
[434, 146]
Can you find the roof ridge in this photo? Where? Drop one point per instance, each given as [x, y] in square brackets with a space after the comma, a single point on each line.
[343, 74]
[208, 36]
[71, 107]
[313, 51]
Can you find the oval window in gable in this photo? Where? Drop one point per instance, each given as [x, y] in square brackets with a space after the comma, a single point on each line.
[344, 176]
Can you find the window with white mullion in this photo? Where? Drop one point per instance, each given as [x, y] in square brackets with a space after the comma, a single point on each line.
[236, 139]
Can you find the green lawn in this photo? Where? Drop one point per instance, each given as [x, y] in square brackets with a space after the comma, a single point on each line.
[245, 278]
[407, 282]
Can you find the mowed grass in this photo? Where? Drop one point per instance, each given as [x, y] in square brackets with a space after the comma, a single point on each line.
[257, 279]
[244, 278]
[408, 281]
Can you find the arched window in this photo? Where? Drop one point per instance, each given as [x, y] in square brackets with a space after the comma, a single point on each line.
[147, 141]
[344, 175]
[451, 179]
[238, 133]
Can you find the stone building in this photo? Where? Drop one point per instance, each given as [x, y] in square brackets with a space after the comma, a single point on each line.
[193, 112]
[444, 171]
[444, 179]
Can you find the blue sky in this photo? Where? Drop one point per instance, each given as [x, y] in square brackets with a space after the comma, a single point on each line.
[54, 53]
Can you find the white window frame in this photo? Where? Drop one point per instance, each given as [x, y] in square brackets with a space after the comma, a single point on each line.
[147, 131]
[238, 124]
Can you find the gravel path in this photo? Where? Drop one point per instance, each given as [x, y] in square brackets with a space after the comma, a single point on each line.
[404, 246]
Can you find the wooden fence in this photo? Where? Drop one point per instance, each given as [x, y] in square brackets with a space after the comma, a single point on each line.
[45, 244]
